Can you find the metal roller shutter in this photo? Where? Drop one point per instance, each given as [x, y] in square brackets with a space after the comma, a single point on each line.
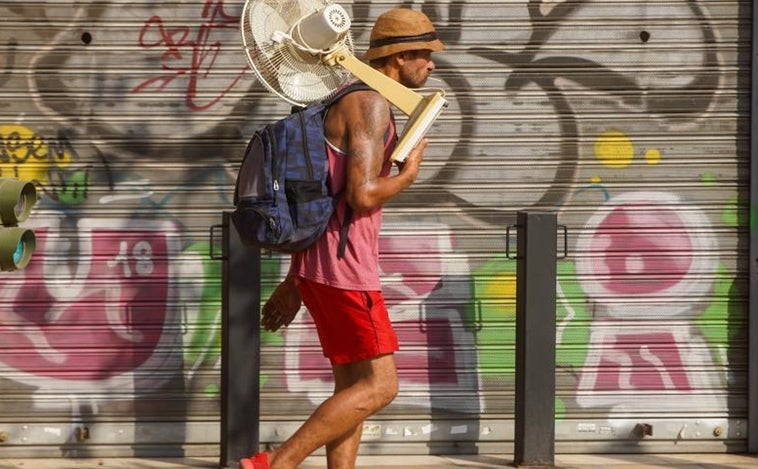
[629, 119]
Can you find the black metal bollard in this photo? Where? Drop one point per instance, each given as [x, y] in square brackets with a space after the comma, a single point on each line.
[535, 339]
[240, 346]
[752, 355]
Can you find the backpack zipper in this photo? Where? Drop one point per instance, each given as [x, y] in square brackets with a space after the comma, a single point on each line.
[275, 164]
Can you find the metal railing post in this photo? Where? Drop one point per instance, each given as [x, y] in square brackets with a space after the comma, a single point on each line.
[752, 260]
[240, 346]
[535, 339]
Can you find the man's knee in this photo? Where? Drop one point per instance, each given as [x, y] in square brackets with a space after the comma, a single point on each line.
[384, 390]
[377, 380]
[389, 390]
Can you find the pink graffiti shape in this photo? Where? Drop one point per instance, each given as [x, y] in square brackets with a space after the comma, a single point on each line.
[644, 248]
[177, 45]
[111, 327]
[643, 362]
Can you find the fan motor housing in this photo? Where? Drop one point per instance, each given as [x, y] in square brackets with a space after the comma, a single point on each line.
[323, 29]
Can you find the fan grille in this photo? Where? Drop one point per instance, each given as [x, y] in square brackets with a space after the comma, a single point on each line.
[298, 77]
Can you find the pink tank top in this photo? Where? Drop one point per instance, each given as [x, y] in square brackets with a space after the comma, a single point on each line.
[359, 268]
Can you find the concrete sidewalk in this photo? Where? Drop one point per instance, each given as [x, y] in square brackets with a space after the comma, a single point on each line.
[564, 461]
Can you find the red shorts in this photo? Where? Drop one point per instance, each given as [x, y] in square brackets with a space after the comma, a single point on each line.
[352, 325]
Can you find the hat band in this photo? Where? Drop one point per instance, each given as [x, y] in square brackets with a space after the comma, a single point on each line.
[426, 37]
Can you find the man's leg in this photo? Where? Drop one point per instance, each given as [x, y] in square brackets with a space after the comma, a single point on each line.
[373, 386]
[342, 452]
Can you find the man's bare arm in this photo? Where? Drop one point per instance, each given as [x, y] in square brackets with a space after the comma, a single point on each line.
[366, 116]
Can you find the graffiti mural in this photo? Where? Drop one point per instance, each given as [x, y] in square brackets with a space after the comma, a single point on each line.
[623, 118]
[648, 248]
[190, 53]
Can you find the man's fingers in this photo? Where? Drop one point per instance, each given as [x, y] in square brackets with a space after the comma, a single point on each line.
[276, 313]
[273, 319]
[271, 325]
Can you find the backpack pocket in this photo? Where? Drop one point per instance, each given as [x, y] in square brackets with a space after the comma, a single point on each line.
[251, 178]
[307, 203]
[257, 222]
[299, 192]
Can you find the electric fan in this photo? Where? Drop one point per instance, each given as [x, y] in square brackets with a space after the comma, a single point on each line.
[301, 50]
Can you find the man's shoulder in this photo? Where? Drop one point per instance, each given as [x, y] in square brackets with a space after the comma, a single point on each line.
[360, 109]
[362, 94]
[362, 102]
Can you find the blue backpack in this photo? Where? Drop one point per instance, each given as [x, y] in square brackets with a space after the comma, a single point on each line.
[282, 197]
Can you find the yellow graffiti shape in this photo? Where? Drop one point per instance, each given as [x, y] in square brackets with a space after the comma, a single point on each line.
[25, 155]
[502, 287]
[614, 149]
[653, 156]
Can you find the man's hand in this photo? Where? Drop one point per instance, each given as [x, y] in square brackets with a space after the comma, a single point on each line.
[410, 166]
[282, 307]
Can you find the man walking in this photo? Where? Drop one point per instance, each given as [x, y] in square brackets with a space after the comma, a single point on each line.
[343, 295]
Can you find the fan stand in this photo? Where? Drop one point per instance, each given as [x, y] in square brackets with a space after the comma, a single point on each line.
[421, 110]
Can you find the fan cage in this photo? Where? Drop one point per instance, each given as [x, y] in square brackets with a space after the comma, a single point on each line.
[297, 77]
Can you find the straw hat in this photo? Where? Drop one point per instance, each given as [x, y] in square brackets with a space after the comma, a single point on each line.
[399, 30]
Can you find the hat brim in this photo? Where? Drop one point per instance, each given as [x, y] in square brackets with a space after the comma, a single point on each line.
[384, 51]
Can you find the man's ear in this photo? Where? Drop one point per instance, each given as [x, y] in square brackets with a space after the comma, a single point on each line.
[401, 57]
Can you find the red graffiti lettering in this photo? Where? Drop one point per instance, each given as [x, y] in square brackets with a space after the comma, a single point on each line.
[184, 56]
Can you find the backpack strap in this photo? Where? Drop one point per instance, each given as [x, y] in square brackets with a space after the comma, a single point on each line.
[343, 231]
[349, 88]
[354, 86]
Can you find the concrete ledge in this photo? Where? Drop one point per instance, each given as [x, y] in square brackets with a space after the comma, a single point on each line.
[563, 461]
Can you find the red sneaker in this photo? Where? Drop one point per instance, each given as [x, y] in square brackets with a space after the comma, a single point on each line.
[259, 461]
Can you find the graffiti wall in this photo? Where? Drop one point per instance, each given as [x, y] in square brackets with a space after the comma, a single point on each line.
[630, 120]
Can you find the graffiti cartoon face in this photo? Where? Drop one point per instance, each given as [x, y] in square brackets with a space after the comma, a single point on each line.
[644, 245]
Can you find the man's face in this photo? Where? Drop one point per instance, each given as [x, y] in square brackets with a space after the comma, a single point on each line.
[416, 68]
